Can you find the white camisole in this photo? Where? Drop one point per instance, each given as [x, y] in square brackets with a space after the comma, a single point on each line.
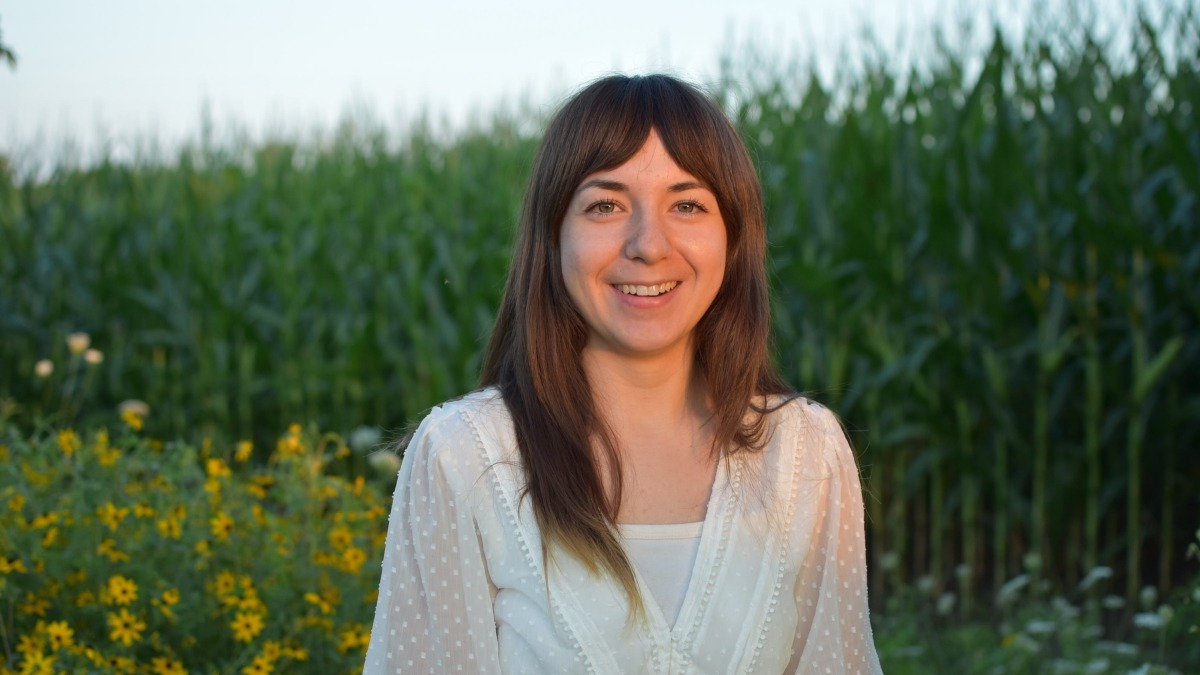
[663, 556]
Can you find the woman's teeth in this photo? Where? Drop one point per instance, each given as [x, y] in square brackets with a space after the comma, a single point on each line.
[659, 289]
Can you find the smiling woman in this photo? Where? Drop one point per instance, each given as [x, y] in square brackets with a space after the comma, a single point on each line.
[634, 489]
[643, 255]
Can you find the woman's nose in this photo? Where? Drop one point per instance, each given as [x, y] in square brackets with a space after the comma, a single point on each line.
[647, 240]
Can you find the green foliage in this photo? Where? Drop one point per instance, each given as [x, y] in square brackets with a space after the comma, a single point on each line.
[988, 264]
[121, 550]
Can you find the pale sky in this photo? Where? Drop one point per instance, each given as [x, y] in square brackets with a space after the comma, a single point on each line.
[127, 71]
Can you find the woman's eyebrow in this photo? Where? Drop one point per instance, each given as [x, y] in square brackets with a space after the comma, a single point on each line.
[603, 184]
[617, 186]
[688, 185]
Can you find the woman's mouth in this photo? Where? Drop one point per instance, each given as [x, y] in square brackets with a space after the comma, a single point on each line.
[647, 291]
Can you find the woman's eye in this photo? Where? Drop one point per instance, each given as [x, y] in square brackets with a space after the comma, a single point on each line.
[691, 207]
[605, 206]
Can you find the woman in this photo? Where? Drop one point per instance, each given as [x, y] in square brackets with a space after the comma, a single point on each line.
[634, 490]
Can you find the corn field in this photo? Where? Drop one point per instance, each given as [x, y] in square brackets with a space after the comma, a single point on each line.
[990, 266]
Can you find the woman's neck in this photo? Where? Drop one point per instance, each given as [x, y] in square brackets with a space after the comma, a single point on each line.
[658, 414]
[638, 394]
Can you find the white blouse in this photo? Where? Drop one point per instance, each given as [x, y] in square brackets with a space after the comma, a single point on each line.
[778, 584]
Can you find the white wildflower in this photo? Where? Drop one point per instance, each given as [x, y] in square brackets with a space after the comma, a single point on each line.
[1113, 602]
[1120, 648]
[1095, 576]
[43, 368]
[384, 461]
[1040, 627]
[1008, 592]
[1148, 596]
[364, 438]
[93, 357]
[78, 342]
[1065, 609]
[133, 405]
[1147, 620]
[945, 603]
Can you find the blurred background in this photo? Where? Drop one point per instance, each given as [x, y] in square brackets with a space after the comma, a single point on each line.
[233, 223]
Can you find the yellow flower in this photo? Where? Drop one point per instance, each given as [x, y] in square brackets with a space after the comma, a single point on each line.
[246, 626]
[108, 548]
[216, 467]
[169, 528]
[43, 521]
[317, 600]
[221, 526]
[34, 605]
[30, 644]
[224, 584]
[84, 599]
[352, 559]
[143, 510]
[120, 591]
[340, 538]
[132, 420]
[259, 666]
[16, 502]
[271, 650]
[108, 456]
[125, 627]
[37, 664]
[169, 598]
[295, 653]
[243, 451]
[291, 444]
[60, 634]
[352, 637]
[112, 515]
[161, 665]
[122, 664]
[14, 565]
[133, 412]
[69, 441]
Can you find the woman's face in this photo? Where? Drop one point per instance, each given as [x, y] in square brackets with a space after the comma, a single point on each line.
[643, 254]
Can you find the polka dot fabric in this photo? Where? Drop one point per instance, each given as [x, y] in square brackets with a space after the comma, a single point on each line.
[778, 584]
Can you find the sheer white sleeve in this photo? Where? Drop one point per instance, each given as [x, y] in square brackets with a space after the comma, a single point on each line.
[434, 613]
[831, 591]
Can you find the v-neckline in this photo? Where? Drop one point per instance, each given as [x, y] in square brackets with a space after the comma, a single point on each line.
[703, 567]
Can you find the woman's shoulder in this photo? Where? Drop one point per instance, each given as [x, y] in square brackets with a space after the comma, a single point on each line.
[806, 431]
[462, 426]
[791, 412]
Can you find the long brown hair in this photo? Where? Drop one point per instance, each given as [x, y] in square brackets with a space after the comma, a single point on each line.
[534, 355]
